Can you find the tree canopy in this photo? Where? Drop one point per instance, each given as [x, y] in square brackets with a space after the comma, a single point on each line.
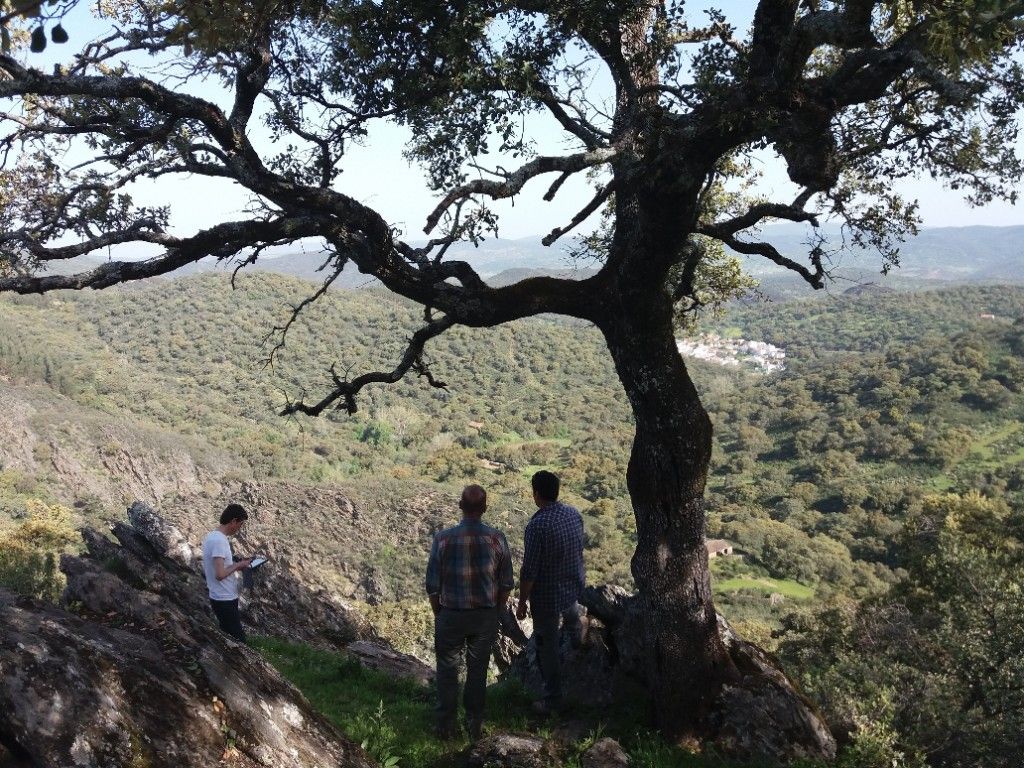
[850, 95]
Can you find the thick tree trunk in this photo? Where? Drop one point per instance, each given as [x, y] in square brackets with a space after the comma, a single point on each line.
[686, 660]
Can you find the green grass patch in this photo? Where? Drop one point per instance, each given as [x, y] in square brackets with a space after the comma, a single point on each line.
[985, 447]
[393, 719]
[785, 587]
[940, 483]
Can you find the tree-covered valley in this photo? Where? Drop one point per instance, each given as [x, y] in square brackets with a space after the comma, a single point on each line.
[858, 484]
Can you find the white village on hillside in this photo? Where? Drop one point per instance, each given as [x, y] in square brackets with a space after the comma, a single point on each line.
[759, 355]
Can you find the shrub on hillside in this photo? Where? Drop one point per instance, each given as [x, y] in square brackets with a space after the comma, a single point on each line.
[408, 624]
[29, 553]
[937, 665]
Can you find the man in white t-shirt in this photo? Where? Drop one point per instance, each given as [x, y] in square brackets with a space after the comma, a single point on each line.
[222, 571]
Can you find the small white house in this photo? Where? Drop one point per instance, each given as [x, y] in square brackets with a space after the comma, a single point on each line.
[718, 547]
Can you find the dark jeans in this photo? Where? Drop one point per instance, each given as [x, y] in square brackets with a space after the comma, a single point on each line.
[229, 618]
[546, 636]
[475, 630]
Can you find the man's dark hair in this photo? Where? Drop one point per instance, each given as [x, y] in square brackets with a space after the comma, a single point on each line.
[233, 512]
[545, 485]
[473, 500]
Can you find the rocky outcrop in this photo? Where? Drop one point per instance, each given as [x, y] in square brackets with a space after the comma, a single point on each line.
[764, 714]
[138, 673]
[152, 553]
[146, 684]
[761, 718]
[383, 658]
[17, 437]
[93, 455]
[509, 750]
[363, 547]
[513, 637]
[155, 553]
[166, 539]
[605, 667]
[591, 675]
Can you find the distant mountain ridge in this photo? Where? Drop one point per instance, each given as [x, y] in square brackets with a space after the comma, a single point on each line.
[941, 253]
[937, 256]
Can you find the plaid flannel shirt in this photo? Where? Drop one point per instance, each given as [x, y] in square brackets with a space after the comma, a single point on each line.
[469, 565]
[553, 557]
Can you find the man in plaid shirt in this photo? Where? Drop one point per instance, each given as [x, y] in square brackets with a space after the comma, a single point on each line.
[551, 581]
[469, 576]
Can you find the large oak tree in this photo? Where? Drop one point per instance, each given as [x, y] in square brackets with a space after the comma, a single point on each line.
[848, 96]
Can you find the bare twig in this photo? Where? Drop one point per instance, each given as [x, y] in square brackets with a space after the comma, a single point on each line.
[282, 330]
[596, 202]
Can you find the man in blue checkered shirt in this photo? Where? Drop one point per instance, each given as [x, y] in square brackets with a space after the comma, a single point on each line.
[551, 581]
[469, 577]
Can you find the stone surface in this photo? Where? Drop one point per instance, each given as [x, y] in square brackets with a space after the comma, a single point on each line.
[281, 603]
[147, 686]
[608, 601]
[764, 714]
[589, 674]
[513, 636]
[328, 535]
[506, 750]
[101, 456]
[164, 537]
[374, 655]
[605, 753]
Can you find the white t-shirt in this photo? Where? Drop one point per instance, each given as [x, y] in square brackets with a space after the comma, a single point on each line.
[216, 544]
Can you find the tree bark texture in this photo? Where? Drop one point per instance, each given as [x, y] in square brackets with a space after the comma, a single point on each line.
[686, 660]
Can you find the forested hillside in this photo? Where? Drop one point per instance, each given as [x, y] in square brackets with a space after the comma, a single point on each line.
[189, 354]
[184, 363]
[885, 398]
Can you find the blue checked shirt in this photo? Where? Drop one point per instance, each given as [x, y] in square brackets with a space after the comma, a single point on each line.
[469, 565]
[553, 557]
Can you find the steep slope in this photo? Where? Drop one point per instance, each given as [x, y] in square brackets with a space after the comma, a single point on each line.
[90, 456]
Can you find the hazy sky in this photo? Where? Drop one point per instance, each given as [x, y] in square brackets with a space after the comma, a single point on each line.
[378, 175]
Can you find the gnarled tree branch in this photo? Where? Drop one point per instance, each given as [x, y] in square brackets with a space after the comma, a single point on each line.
[515, 180]
[815, 278]
[346, 390]
[761, 211]
[222, 241]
